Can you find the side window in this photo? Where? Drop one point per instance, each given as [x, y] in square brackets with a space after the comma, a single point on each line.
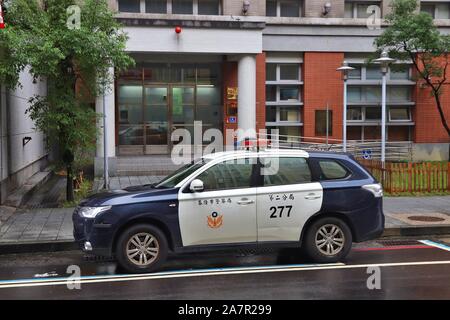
[332, 170]
[231, 174]
[283, 171]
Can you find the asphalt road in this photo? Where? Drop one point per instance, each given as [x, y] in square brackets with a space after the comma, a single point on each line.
[407, 269]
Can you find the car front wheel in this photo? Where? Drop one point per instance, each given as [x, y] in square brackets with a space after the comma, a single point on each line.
[141, 248]
[328, 240]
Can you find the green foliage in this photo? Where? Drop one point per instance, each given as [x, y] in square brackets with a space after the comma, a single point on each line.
[411, 32]
[83, 192]
[412, 35]
[39, 36]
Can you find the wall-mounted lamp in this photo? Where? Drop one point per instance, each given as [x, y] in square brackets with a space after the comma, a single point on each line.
[245, 7]
[25, 140]
[326, 8]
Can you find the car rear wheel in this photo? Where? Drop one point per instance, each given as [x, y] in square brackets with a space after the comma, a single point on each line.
[328, 240]
[141, 248]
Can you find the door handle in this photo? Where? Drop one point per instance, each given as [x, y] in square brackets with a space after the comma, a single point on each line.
[312, 196]
[245, 201]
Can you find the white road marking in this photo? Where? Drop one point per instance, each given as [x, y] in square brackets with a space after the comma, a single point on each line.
[217, 272]
[435, 244]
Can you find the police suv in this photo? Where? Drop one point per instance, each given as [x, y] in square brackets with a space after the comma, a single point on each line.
[320, 202]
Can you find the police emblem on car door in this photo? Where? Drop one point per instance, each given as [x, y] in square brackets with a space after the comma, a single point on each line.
[219, 205]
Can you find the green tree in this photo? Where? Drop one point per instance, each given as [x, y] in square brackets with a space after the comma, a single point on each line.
[412, 35]
[72, 49]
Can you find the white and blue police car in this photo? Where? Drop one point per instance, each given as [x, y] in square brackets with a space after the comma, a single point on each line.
[320, 202]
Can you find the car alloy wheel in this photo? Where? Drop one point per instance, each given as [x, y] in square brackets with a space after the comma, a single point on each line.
[330, 239]
[142, 249]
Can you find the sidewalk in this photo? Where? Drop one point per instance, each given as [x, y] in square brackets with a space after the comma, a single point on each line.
[405, 216]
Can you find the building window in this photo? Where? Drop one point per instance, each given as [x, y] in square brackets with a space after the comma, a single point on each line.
[373, 113]
[400, 72]
[283, 97]
[438, 10]
[209, 7]
[356, 73]
[399, 114]
[289, 72]
[289, 93]
[284, 8]
[286, 114]
[354, 114]
[372, 94]
[182, 6]
[156, 6]
[361, 10]
[130, 6]
[373, 73]
[285, 133]
[321, 123]
[283, 72]
[201, 7]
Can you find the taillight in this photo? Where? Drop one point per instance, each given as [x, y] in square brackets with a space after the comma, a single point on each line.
[375, 188]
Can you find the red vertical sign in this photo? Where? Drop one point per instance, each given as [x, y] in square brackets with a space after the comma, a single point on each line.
[2, 22]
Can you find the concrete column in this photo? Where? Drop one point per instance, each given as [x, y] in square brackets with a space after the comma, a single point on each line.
[247, 97]
[111, 129]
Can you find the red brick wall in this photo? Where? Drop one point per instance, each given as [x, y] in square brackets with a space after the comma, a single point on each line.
[260, 91]
[323, 84]
[428, 128]
[230, 69]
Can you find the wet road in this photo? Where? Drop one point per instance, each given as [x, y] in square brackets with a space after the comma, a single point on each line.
[408, 270]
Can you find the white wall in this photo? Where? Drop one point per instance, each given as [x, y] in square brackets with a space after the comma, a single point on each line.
[193, 40]
[20, 125]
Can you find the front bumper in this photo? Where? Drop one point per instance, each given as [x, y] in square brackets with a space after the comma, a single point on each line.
[91, 236]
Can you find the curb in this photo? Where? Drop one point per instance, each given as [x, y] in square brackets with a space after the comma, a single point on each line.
[416, 231]
[43, 246]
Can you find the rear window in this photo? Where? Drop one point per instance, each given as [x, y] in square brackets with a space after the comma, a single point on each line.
[283, 171]
[332, 170]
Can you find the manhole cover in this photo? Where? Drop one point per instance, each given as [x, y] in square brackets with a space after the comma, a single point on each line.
[393, 243]
[426, 218]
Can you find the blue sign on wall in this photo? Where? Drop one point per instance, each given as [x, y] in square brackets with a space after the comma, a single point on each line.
[232, 119]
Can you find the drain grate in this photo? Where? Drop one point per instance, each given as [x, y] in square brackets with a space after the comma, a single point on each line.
[393, 243]
[98, 259]
[426, 218]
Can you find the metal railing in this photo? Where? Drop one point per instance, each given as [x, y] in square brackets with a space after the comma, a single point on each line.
[368, 149]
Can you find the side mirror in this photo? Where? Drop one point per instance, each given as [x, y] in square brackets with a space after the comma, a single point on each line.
[196, 185]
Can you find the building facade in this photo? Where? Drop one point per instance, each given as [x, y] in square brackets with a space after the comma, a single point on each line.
[23, 151]
[262, 64]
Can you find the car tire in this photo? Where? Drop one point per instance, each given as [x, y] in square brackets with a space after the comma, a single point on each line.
[141, 248]
[327, 240]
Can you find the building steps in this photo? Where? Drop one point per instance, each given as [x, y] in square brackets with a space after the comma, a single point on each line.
[23, 193]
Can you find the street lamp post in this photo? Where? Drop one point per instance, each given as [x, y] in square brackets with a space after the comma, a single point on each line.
[344, 69]
[384, 62]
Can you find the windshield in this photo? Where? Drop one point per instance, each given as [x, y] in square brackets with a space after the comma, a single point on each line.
[173, 179]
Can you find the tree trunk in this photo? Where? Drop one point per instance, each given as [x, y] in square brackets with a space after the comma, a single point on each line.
[69, 187]
[441, 112]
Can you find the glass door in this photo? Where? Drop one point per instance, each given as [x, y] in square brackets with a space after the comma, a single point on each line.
[131, 131]
[182, 111]
[156, 122]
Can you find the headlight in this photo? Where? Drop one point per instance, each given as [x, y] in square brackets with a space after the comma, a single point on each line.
[92, 212]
